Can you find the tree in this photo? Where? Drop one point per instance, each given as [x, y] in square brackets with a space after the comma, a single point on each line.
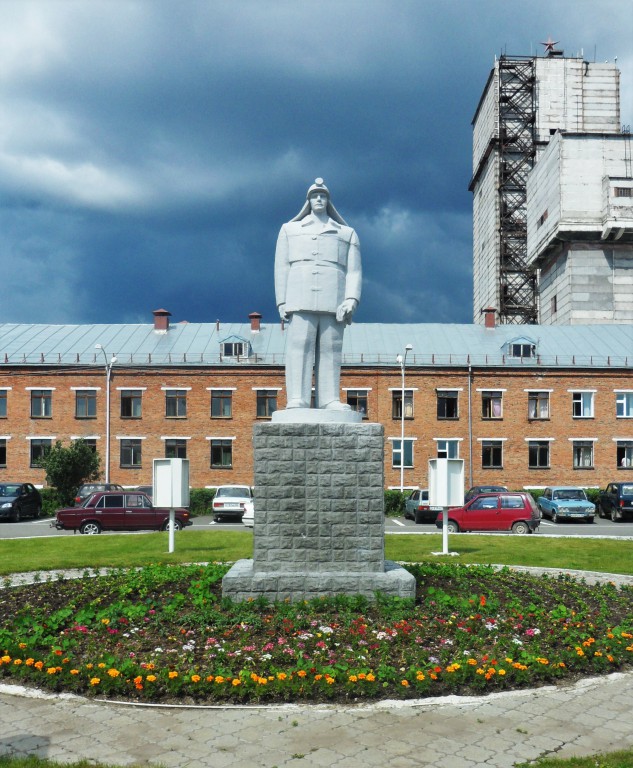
[67, 468]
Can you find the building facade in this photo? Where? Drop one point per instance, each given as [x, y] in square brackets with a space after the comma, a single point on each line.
[526, 102]
[554, 405]
[580, 229]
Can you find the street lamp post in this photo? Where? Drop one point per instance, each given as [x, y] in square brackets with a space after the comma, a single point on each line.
[108, 368]
[403, 361]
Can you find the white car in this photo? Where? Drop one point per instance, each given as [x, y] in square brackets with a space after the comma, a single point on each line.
[230, 502]
[248, 518]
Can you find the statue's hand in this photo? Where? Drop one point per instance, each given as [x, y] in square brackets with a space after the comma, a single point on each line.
[282, 312]
[345, 311]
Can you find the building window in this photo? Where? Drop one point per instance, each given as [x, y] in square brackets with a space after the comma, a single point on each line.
[266, 403]
[491, 454]
[583, 454]
[554, 305]
[543, 218]
[396, 404]
[221, 404]
[131, 404]
[447, 449]
[623, 191]
[491, 405]
[538, 454]
[91, 442]
[131, 453]
[175, 448]
[396, 453]
[3, 452]
[221, 454]
[522, 349]
[3, 403]
[176, 403]
[624, 453]
[582, 405]
[233, 349]
[447, 405]
[357, 399]
[624, 405]
[39, 447]
[85, 404]
[41, 404]
[538, 405]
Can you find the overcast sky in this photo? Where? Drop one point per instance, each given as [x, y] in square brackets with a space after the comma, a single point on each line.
[151, 149]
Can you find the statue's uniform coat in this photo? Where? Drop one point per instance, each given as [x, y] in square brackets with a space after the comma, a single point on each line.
[317, 267]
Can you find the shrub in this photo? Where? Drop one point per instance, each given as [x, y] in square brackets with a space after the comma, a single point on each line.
[394, 503]
[51, 501]
[200, 500]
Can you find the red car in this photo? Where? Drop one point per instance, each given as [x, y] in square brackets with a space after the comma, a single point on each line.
[118, 511]
[507, 511]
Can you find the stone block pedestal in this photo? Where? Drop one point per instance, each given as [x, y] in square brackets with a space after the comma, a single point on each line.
[319, 515]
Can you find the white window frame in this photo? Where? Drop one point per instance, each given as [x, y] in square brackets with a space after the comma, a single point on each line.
[447, 440]
[584, 394]
[624, 401]
[396, 450]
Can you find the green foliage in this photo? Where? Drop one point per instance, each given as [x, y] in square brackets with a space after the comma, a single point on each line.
[394, 503]
[67, 468]
[51, 501]
[200, 500]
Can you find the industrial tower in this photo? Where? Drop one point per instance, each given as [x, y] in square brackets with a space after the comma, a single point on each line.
[526, 101]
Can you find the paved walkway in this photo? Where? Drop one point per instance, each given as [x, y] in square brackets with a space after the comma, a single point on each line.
[495, 731]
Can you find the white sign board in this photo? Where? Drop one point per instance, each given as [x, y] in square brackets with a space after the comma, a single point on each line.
[171, 483]
[446, 482]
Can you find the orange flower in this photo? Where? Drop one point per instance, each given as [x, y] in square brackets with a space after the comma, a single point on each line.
[236, 681]
[17, 662]
[419, 677]
[353, 679]
[173, 674]
[195, 678]
[301, 673]
[38, 664]
[113, 672]
[29, 662]
[404, 683]
[371, 677]
[51, 671]
[150, 679]
[74, 671]
[94, 681]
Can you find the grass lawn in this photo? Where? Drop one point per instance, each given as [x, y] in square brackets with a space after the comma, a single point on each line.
[41, 554]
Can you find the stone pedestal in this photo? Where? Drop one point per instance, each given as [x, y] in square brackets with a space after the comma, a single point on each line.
[319, 515]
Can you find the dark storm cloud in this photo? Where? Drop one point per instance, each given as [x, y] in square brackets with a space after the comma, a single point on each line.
[150, 150]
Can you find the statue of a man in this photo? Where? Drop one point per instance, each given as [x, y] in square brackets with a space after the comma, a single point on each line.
[317, 287]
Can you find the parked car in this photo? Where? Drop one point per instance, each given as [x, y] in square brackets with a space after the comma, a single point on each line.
[477, 489]
[148, 490]
[87, 489]
[566, 502]
[248, 518]
[230, 502]
[416, 507]
[18, 500]
[114, 511]
[507, 511]
[616, 501]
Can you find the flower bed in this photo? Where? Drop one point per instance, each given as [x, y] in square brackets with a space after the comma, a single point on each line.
[163, 633]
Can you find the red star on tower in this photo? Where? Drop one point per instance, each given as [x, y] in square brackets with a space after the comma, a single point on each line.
[549, 45]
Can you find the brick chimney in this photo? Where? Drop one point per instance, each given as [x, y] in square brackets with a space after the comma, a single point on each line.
[489, 320]
[161, 320]
[255, 319]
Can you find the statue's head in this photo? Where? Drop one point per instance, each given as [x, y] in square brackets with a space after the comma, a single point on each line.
[315, 191]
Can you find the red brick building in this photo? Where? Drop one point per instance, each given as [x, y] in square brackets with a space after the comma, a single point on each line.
[523, 406]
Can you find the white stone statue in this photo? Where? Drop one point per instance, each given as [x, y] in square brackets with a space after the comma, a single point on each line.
[317, 288]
